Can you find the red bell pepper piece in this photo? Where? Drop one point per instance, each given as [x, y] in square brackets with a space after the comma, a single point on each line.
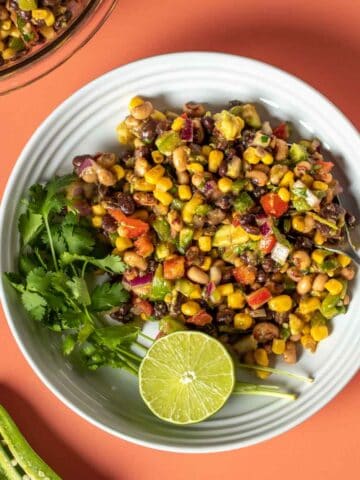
[273, 205]
[258, 298]
[174, 268]
[144, 246]
[132, 227]
[267, 243]
[282, 131]
[201, 318]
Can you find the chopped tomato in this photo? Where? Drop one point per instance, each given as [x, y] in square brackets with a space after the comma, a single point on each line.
[245, 274]
[324, 167]
[282, 131]
[258, 298]
[174, 267]
[144, 246]
[130, 227]
[201, 318]
[141, 306]
[267, 243]
[273, 205]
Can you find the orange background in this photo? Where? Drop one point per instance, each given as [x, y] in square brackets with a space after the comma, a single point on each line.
[317, 40]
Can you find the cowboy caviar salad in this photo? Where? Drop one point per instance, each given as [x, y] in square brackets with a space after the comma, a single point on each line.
[214, 222]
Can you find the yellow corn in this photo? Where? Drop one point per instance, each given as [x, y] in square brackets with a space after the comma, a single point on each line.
[47, 32]
[123, 243]
[236, 300]
[168, 298]
[333, 286]
[164, 197]
[267, 159]
[308, 305]
[344, 260]
[317, 185]
[278, 346]
[98, 210]
[195, 167]
[306, 330]
[143, 186]
[225, 184]
[154, 174]
[251, 156]
[307, 179]
[157, 156]
[319, 239]
[8, 53]
[308, 342]
[205, 150]
[6, 25]
[215, 159]
[190, 308]
[124, 135]
[14, 32]
[135, 102]
[195, 292]
[164, 184]
[243, 321]
[118, 171]
[296, 324]
[261, 357]
[284, 194]
[184, 192]
[49, 19]
[287, 180]
[206, 263]
[205, 243]
[319, 332]
[96, 221]
[178, 124]
[281, 303]
[190, 207]
[319, 256]
[298, 223]
[225, 289]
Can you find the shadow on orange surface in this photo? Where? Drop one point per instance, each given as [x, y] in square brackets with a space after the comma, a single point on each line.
[66, 462]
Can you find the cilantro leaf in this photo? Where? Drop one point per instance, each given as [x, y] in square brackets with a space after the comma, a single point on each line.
[108, 295]
[35, 304]
[30, 225]
[79, 240]
[79, 290]
[37, 280]
[15, 281]
[111, 263]
[111, 337]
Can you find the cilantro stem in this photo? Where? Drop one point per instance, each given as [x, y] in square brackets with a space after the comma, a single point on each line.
[83, 269]
[47, 226]
[249, 389]
[129, 354]
[38, 256]
[276, 371]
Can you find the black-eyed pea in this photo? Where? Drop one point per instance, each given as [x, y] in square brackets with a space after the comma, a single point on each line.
[134, 260]
[302, 168]
[142, 111]
[319, 282]
[106, 178]
[258, 177]
[301, 259]
[304, 285]
[294, 274]
[348, 273]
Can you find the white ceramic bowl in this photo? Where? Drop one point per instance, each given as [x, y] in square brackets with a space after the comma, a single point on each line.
[86, 123]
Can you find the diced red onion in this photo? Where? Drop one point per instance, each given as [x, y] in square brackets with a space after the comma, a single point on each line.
[140, 281]
[209, 289]
[81, 162]
[265, 228]
[82, 207]
[187, 132]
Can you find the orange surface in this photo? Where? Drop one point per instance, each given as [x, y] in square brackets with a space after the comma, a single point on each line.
[317, 40]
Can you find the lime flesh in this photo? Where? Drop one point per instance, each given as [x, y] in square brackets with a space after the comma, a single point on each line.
[186, 377]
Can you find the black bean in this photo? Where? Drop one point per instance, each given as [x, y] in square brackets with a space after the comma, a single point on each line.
[224, 202]
[234, 103]
[227, 274]
[332, 211]
[160, 310]
[259, 191]
[249, 258]
[62, 20]
[209, 231]
[269, 265]
[109, 224]
[222, 171]
[142, 151]
[265, 331]
[122, 314]
[148, 131]
[350, 219]
[303, 242]
[162, 126]
[198, 221]
[151, 265]
[24, 15]
[124, 201]
[193, 256]
[261, 276]
[79, 159]
[208, 124]
[216, 216]
[175, 307]
[281, 317]
[225, 315]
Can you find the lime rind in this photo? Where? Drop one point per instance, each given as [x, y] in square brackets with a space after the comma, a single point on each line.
[186, 377]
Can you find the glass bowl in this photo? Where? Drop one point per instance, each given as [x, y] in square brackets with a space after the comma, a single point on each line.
[44, 58]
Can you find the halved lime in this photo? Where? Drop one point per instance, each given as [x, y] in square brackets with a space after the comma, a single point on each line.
[186, 377]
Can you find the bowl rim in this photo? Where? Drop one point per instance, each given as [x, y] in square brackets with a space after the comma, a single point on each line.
[3, 296]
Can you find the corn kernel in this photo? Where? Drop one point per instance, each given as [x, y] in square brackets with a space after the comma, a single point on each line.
[319, 239]
[225, 184]
[298, 223]
[296, 324]
[278, 346]
[14, 32]
[98, 210]
[190, 308]
[6, 25]
[49, 19]
[135, 102]
[333, 286]
[164, 197]
[322, 186]
[261, 357]
[307, 180]
[281, 303]
[123, 243]
[195, 167]
[344, 260]
[119, 171]
[96, 221]
[189, 208]
[164, 184]
[319, 256]
[236, 300]
[154, 174]
[184, 192]
[225, 289]
[308, 342]
[8, 53]
[124, 135]
[251, 156]
[267, 159]
[308, 305]
[143, 186]
[168, 298]
[157, 156]
[158, 116]
[287, 180]
[205, 243]
[205, 150]
[206, 263]
[215, 159]
[319, 332]
[195, 292]
[178, 124]
[284, 194]
[243, 321]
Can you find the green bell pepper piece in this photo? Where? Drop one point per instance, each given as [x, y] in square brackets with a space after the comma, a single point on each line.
[160, 286]
[162, 228]
[167, 142]
[243, 202]
[16, 44]
[185, 238]
[27, 5]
